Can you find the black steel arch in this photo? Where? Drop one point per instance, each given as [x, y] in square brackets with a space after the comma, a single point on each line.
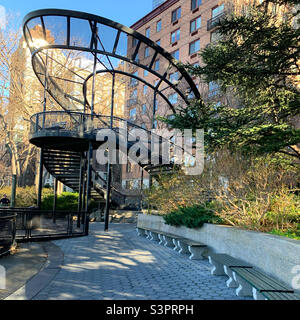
[93, 21]
[132, 76]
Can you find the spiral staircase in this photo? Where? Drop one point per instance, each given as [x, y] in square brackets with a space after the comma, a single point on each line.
[65, 136]
[68, 138]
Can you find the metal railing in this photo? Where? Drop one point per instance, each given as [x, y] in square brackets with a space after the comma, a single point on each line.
[79, 124]
[7, 232]
[211, 23]
[31, 223]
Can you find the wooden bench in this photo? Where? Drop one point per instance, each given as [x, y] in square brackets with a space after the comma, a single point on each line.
[222, 264]
[269, 295]
[254, 283]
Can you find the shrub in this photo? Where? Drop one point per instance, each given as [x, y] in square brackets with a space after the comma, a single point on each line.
[25, 197]
[192, 217]
[247, 191]
[67, 201]
[288, 233]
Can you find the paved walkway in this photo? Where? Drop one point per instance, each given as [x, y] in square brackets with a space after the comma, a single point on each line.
[22, 266]
[120, 265]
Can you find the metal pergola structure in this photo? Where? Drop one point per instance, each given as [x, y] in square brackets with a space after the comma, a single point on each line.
[70, 52]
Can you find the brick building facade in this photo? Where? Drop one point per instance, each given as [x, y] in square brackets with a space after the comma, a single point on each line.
[182, 28]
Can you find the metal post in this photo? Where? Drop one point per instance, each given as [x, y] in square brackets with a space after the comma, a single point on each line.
[108, 178]
[83, 192]
[55, 200]
[89, 176]
[13, 191]
[142, 182]
[40, 186]
[154, 104]
[94, 70]
[80, 191]
[45, 92]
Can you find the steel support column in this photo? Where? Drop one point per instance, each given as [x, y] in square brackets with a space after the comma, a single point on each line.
[40, 183]
[108, 178]
[80, 187]
[55, 200]
[13, 191]
[154, 108]
[83, 191]
[89, 177]
[141, 188]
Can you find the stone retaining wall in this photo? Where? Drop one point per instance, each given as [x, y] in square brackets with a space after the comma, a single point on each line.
[275, 255]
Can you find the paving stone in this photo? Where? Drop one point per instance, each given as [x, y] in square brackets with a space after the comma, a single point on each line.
[120, 265]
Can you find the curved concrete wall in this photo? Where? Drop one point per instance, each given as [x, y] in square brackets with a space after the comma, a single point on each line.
[275, 255]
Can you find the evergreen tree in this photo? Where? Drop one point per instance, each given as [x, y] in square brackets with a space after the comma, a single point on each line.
[257, 60]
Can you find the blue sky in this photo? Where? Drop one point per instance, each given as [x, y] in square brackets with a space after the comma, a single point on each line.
[125, 12]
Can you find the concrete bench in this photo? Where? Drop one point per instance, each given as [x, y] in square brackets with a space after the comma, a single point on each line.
[196, 249]
[261, 286]
[222, 264]
[154, 235]
[182, 245]
[141, 232]
[151, 234]
[170, 240]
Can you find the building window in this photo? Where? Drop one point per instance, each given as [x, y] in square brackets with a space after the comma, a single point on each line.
[133, 94]
[216, 15]
[158, 26]
[174, 77]
[173, 98]
[213, 89]
[132, 114]
[155, 124]
[175, 54]
[215, 36]
[156, 65]
[134, 42]
[129, 184]
[217, 11]
[144, 109]
[155, 105]
[134, 82]
[145, 89]
[217, 104]
[147, 52]
[146, 73]
[191, 94]
[195, 24]
[143, 126]
[133, 98]
[195, 4]
[148, 32]
[194, 47]
[158, 42]
[176, 14]
[170, 118]
[128, 167]
[175, 36]
[137, 58]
